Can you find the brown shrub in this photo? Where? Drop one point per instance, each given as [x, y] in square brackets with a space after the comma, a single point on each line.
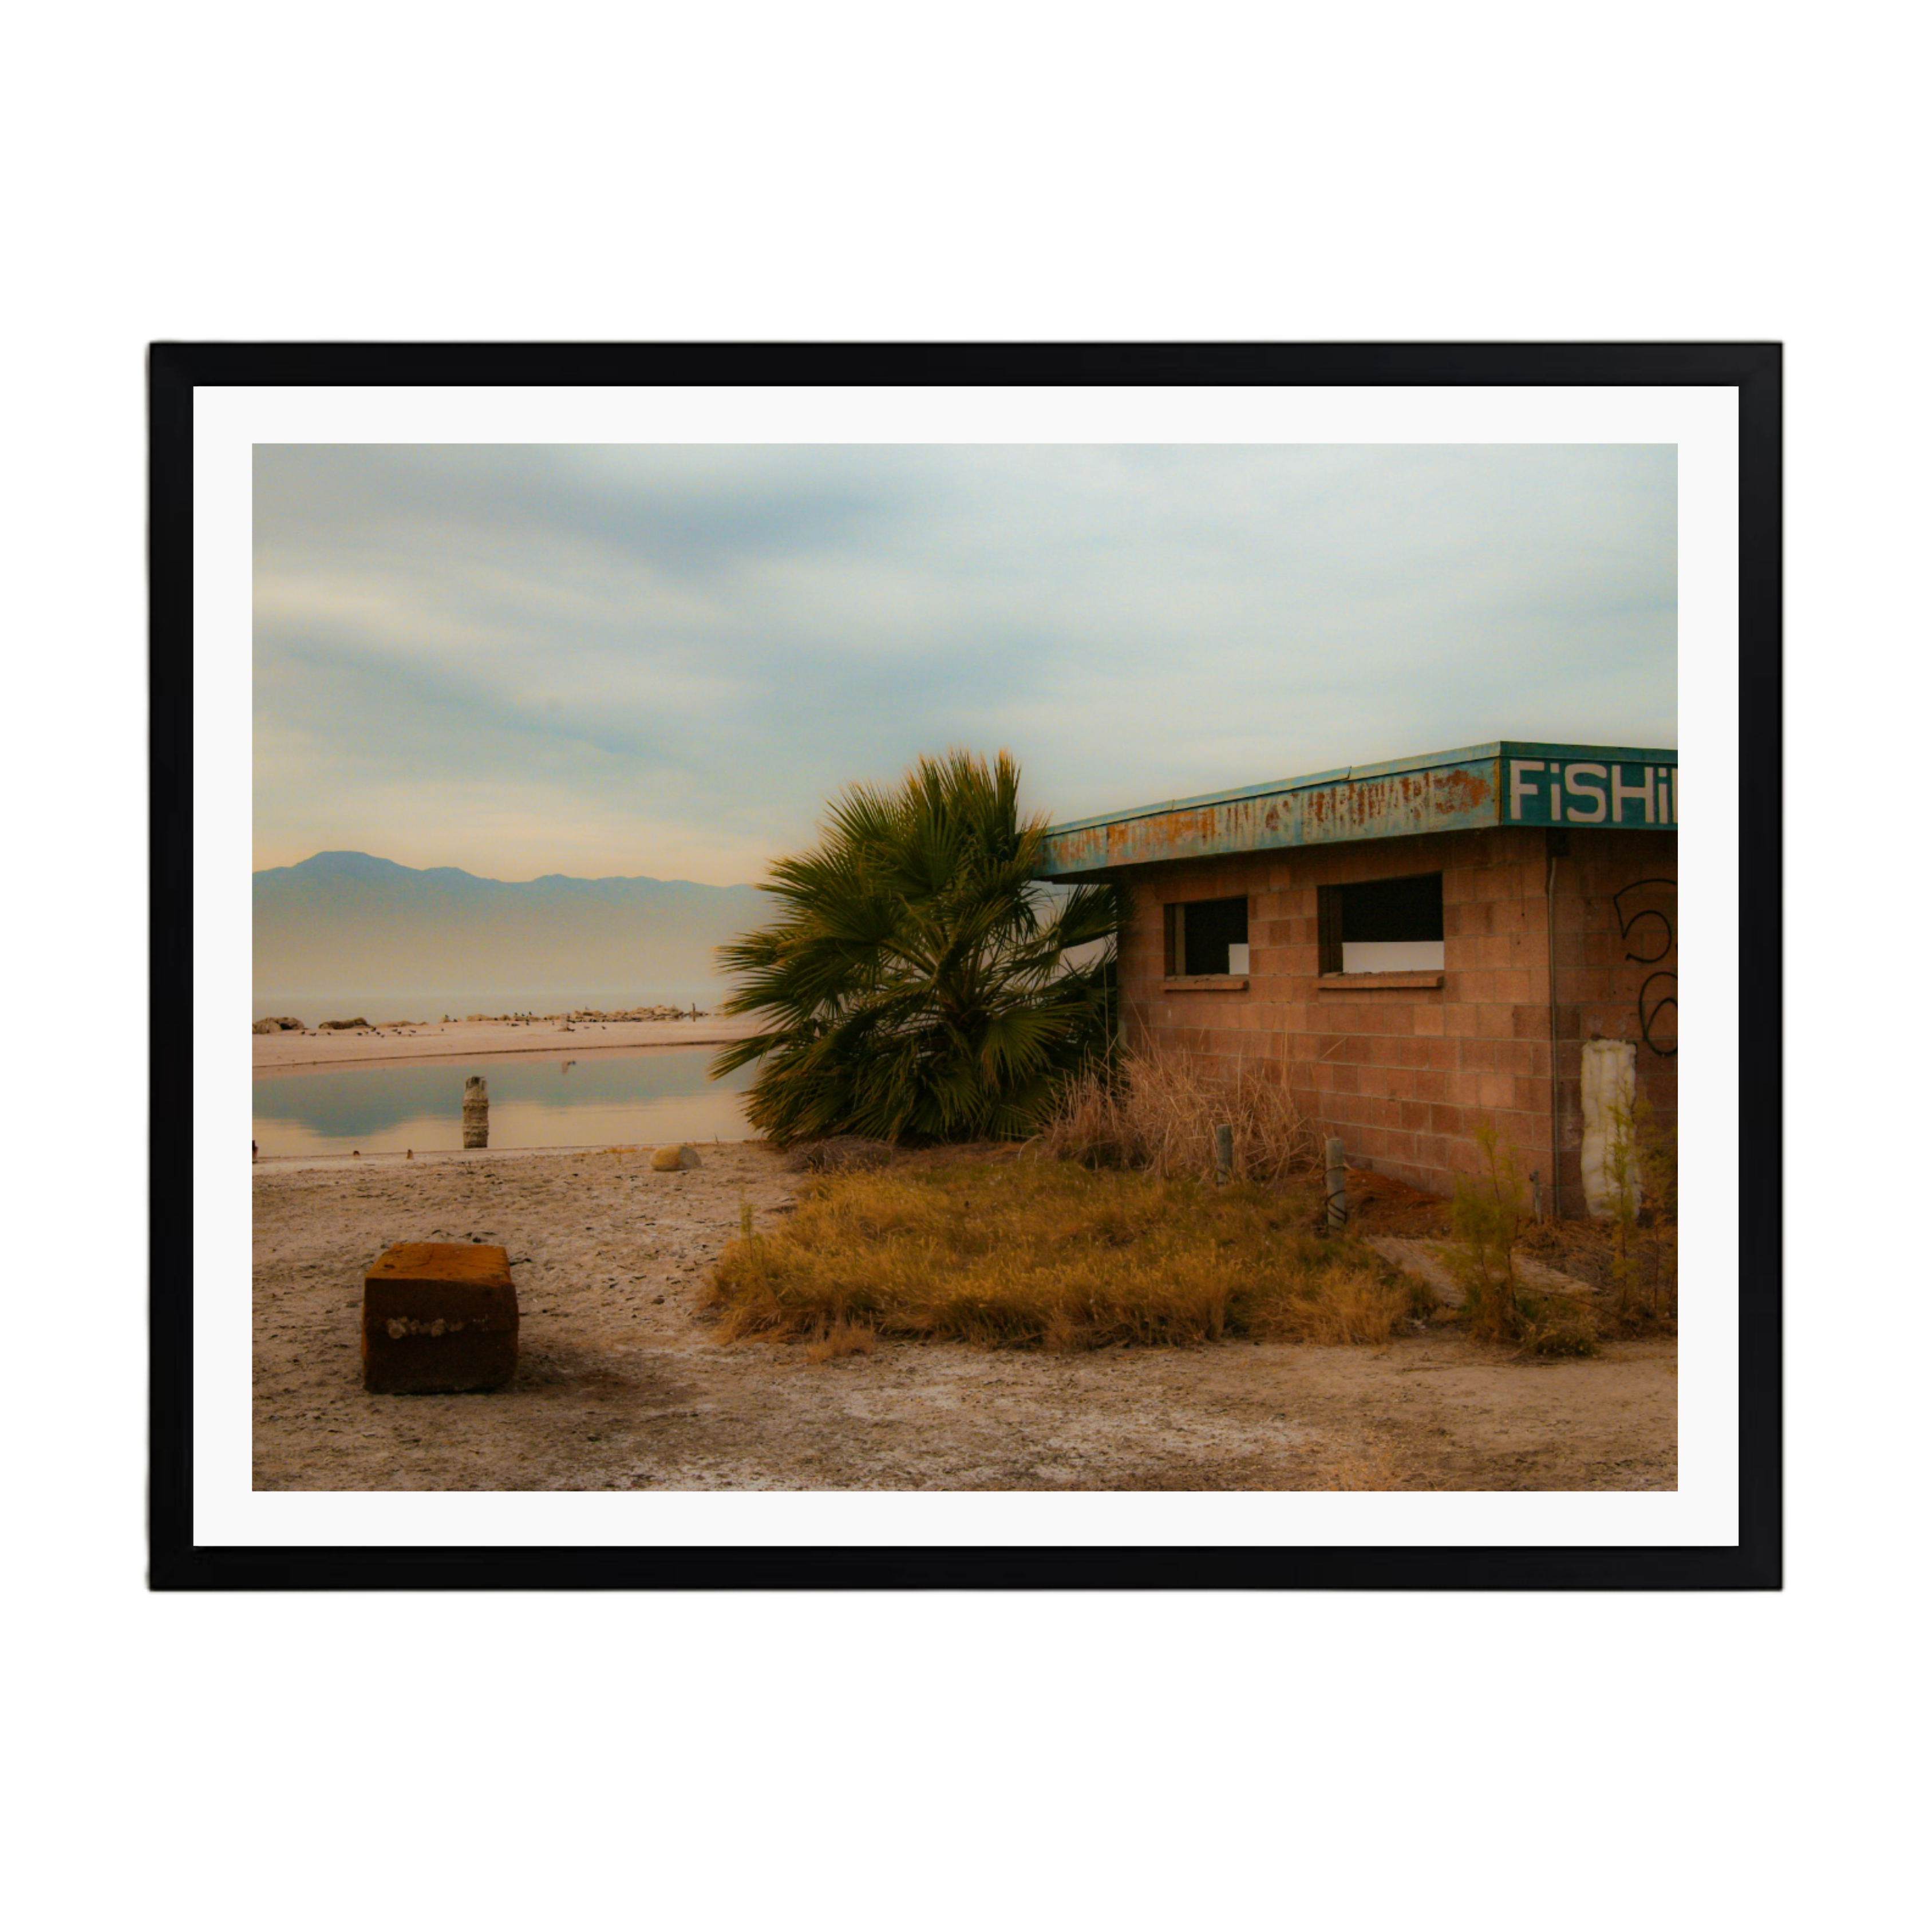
[841, 1154]
[1158, 1113]
[1045, 1254]
[1490, 1217]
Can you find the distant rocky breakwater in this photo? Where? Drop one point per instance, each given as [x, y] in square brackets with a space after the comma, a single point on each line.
[580, 1016]
[591, 1016]
[358, 1025]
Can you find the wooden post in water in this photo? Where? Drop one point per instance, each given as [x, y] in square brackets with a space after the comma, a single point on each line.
[475, 1111]
[1338, 1184]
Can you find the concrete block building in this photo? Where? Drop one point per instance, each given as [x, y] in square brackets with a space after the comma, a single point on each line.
[1413, 946]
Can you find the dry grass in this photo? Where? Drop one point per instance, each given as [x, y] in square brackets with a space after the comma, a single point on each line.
[1627, 1264]
[1489, 1218]
[1047, 1254]
[1644, 1165]
[842, 1338]
[1159, 1112]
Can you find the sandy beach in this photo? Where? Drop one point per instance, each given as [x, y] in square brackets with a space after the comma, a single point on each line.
[472, 1039]
[621, 1383]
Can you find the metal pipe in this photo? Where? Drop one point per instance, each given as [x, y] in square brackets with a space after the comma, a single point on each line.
[1338, 1183]
[1555, 1143]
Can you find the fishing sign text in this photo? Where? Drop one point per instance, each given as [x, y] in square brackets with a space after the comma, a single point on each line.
[1557, 791]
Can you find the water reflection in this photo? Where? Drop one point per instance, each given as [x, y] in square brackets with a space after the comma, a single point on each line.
[655, 1094]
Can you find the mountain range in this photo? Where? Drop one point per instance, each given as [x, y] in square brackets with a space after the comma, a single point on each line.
[349, 927]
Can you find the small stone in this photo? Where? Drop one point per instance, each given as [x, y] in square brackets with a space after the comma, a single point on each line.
[673, 1159]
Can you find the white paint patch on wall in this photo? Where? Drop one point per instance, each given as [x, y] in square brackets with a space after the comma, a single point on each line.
[1609, 1106]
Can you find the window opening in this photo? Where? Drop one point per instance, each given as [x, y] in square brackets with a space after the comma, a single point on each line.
[1382, 925]
[1207, 936]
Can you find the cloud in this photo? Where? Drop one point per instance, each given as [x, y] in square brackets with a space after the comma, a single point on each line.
[611, 659]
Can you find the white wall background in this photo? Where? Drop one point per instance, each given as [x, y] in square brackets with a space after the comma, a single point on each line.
[850, 170]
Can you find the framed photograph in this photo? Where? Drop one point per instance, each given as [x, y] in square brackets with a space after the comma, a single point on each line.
[986, 966]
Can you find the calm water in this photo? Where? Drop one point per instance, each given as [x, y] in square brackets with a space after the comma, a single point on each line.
[655, 1094]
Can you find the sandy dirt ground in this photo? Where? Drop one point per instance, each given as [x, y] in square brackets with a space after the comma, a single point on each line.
[472, 1039]
[620, 1385]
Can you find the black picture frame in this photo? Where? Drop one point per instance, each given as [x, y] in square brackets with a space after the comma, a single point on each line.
[177, 370]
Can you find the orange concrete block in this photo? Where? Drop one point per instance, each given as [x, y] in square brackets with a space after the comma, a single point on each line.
[1531, 1093]
[438, 1317]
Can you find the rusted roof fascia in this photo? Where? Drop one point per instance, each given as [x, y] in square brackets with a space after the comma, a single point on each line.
[1395, 804]
[1439, 791]
[1340, 775]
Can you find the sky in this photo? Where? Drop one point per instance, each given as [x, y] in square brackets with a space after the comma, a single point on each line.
[665, 660]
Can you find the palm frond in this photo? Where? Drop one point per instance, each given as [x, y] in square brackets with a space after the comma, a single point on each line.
[916, 984]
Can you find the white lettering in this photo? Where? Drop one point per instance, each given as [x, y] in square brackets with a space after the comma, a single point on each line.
[1518, 791]
[1665, 815]
[1577, 778]
[1619, 792]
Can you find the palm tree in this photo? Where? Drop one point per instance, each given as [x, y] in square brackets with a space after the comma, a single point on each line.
[917, 985]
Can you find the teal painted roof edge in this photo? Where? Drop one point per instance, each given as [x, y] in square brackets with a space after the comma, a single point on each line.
[1423, 761]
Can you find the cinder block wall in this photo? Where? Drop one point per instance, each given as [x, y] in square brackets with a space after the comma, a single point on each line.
[1616, 973]
[1403, 1074]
